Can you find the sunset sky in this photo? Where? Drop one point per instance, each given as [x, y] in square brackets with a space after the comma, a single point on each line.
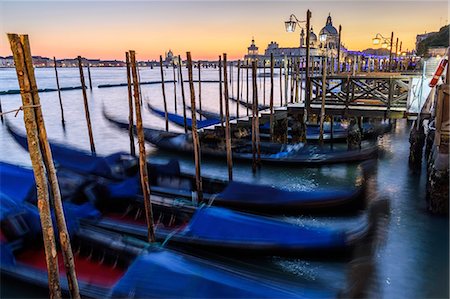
[106, 29]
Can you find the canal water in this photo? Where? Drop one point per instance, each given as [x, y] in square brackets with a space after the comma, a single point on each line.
[412, 259]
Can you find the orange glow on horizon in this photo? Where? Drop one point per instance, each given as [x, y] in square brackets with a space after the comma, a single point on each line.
[105, 30]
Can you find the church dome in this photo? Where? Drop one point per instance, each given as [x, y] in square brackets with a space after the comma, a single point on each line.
[329, 28]
[312, 36]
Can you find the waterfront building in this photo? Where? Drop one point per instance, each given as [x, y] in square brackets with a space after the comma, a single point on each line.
[317, 49]
[421, 37]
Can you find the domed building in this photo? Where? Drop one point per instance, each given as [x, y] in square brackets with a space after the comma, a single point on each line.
[332, 34]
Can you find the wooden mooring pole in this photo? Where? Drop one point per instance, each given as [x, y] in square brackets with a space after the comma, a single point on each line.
[248, 92]
[220, 91]
[59, 91]
[142, 155]
[281, 82]
[199, 88]
[166, 115]
[89, 75]
[227, 121]
[238, 87]
[183, 98]
[339, 51]
[254, 111]
[195, 139]
[174, 88]
[264, 82]
[42, 161]
[1, 111]
[86, 106]
[271, 96]
[324, 94]
[130, 106]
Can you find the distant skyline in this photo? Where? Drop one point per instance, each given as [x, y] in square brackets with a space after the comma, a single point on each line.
[106, 29]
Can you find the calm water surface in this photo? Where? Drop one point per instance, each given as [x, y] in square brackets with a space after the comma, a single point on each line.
[412, 262]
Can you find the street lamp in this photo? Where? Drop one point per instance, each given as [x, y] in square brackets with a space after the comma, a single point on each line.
[386, 43]
[290, 27]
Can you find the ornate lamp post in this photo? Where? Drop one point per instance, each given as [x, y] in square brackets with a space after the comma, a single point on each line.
[290, 27]
[385, 43]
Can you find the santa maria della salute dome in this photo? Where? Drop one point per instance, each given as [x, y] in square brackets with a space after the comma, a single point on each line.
[317, 47]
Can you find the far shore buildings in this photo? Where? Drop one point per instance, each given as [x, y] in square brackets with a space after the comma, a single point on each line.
[318, 49]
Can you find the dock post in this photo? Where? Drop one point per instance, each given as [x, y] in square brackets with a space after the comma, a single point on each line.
[271, 96]
[130, 106]
[248, 92]
[195, 140]
[292, 80]
[41, 158]
[183, 98]
[308, 82]
[238, 87]
[139, 81]
[390, 52]
[59, 91]
[199, 89]
[174, 87]
[297, 73]
[254, 111]
[89, 74]
[220, 92]
[264, 82]
[258, 140]
[86, 107]
[227, 120]
[324, 94]
[1, 111]
[339, 51]
[281, 81]
[166, 115]
[142, 155]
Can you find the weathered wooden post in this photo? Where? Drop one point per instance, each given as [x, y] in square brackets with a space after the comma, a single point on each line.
[142, 155]
[339, 51]
[199, 88]
[86, 107]
[59, 91]
[1, 111]
[41, 159]
[271, 96]
[220, 91]
[248, 92]
[89, 74]
[195, 140]
[308, 81]
[286, 73]
[258, 141]
[130, 106]
[166, 115]
[227, 120]
[264, 82]
[296, 79]
[238, 87]
[292, 79]
[174, 87]
[281, 82]
[390, 51]
[180, 71]
[139, 81]
[324, 94]
[254, 111]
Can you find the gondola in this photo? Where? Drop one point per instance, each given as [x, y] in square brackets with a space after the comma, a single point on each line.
[167, 180]
[110, 265]
[179, 120]
[271, 153]
[206, 228]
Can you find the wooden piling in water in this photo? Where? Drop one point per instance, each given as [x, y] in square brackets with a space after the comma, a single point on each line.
[41, 158]
[1, 111]
[324, 94]
[59, 91]
[166, 115]
[271, 96]
[227, 120]
[200, 88]
[281, 82]
[89, 75]
[174, 88]
[339, 51]
[220, 91]
[308, 81]
[286, 71]
[130, 106]
[238, 88]
[248, 92]
[264, 82]
[142, 155]
[183, 98]
[195, 139]
[86, 106]
[254, 109]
